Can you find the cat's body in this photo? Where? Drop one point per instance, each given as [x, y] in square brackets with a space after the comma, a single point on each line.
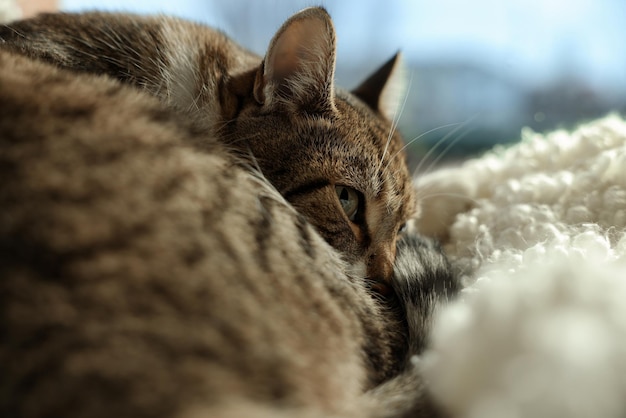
[284, 108]
[149, 270]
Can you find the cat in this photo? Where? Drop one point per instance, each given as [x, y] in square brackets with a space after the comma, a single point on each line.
[128, 289]
[151, 267]
[322, 148]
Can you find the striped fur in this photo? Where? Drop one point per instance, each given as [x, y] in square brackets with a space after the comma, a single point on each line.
[284, 110]
[159, 259]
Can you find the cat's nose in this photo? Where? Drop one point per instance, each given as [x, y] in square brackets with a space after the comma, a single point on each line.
[380, 263]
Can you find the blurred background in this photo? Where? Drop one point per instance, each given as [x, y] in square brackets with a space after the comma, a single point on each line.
[479, 70]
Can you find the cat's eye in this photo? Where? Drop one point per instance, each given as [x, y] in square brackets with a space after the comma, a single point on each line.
[349, 200]
[403, 228]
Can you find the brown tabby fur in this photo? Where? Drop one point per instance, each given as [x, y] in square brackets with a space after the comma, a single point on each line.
[305, 135]
[150, 267]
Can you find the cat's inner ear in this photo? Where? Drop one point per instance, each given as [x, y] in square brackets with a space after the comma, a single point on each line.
[384, 90]
[298, 69]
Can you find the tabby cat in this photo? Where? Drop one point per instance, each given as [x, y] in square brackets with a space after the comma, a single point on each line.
[319, 146]
[204, 244]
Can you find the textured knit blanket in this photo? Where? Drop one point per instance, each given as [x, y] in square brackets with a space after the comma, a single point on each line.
[538, 233]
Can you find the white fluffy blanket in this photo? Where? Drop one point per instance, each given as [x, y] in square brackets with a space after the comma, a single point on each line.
[538, 232]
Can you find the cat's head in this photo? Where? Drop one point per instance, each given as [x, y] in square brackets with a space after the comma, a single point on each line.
[334, 155]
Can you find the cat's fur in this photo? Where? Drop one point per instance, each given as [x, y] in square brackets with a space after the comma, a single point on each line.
[149, 270]
[306, 135]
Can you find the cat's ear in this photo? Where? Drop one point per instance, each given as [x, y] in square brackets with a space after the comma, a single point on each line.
[384, 90]
[298, 69]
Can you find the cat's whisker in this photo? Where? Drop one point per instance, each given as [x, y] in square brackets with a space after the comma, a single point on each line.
[443, 153]
[460, 196]
[435, 147]
[442, 141]
[255, 162]
[417, 138]
[219, 128]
